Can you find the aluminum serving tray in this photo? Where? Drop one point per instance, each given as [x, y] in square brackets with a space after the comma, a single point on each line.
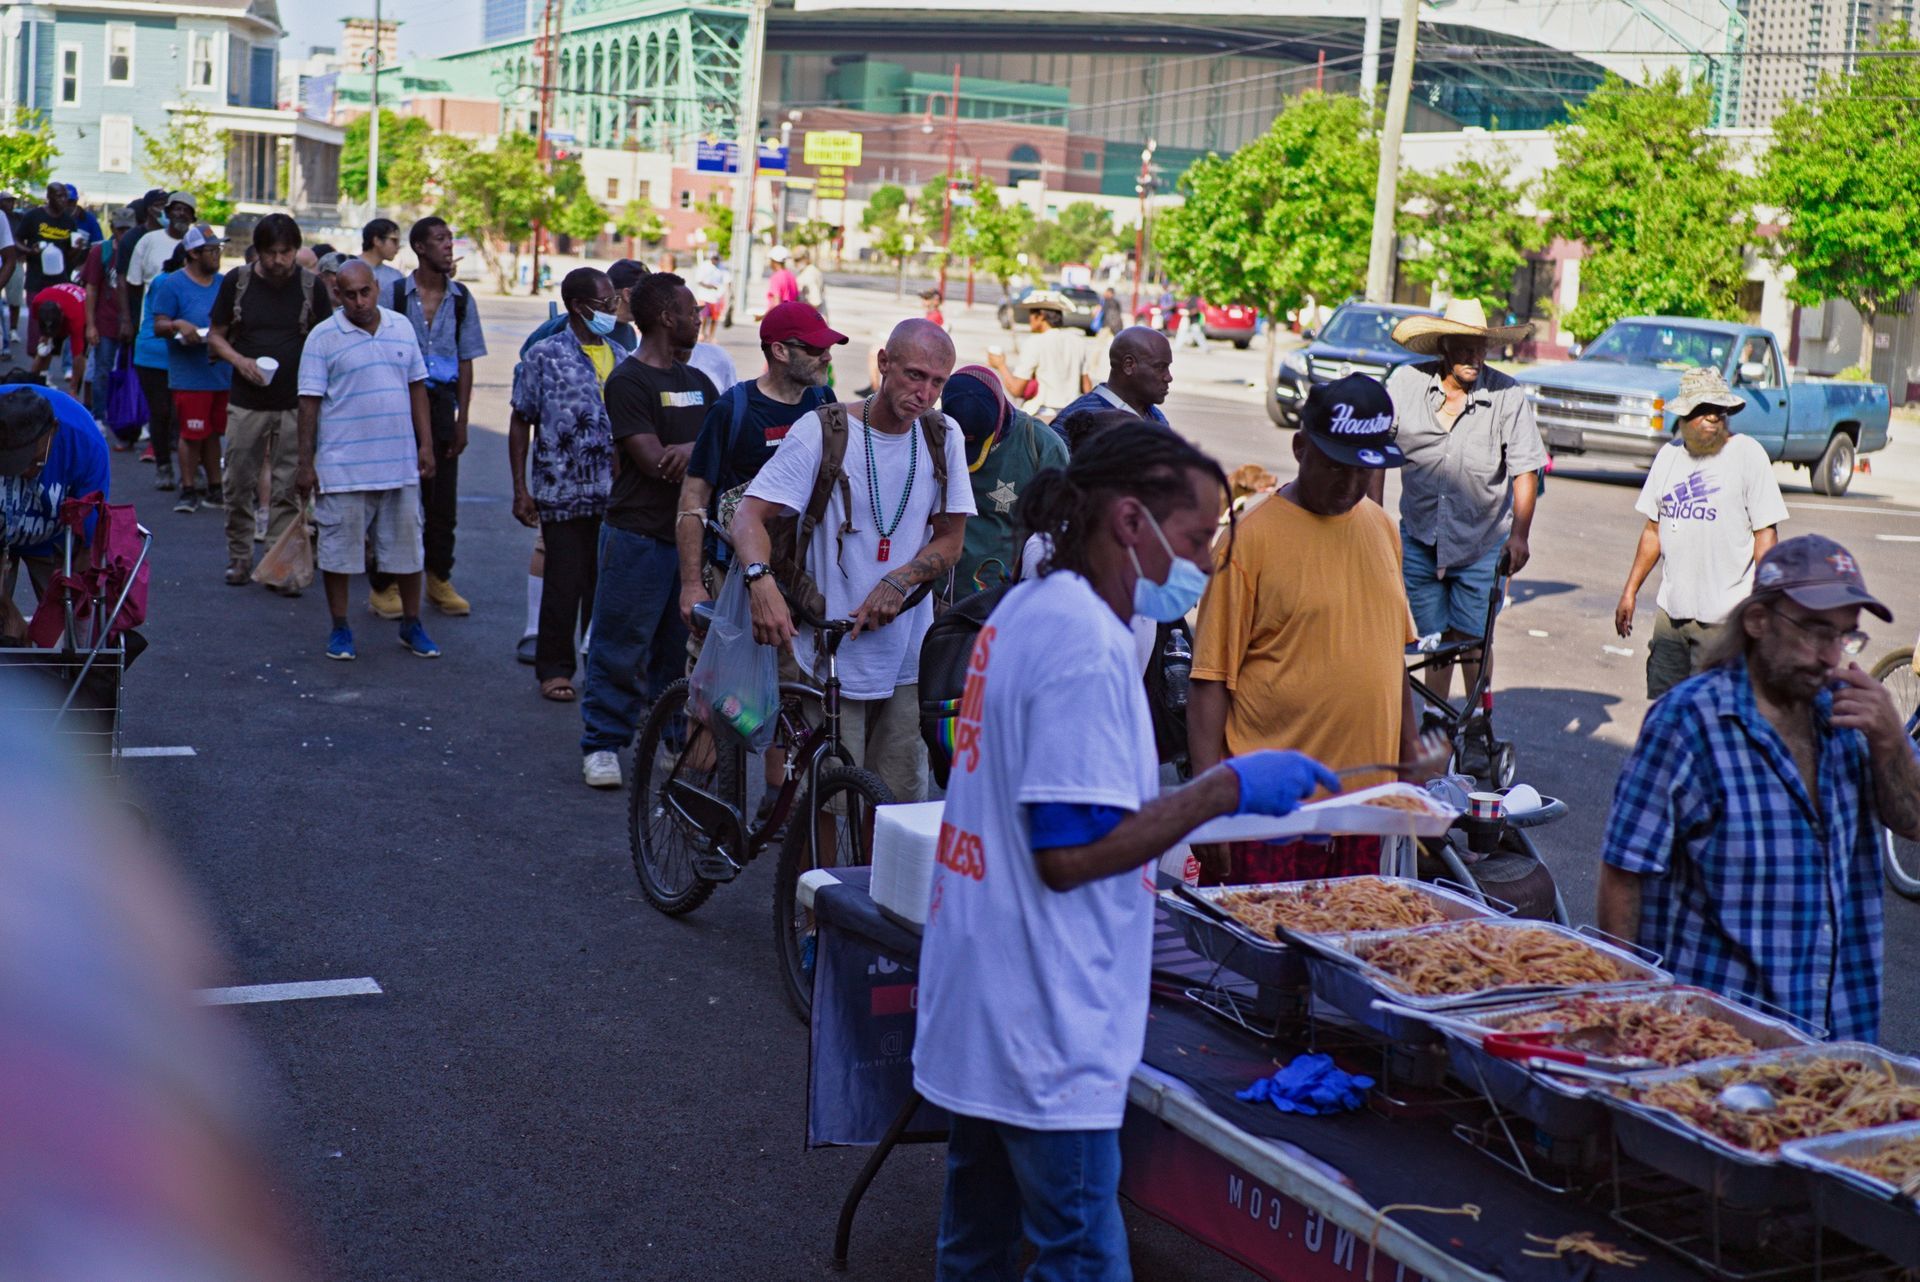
[1668, 1143]
[1341, 977]
[1855, 1204]
[1561, 1106]
[1277, 963]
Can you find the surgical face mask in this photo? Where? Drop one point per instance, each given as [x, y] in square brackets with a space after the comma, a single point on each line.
[602, 323]
[1165, 602]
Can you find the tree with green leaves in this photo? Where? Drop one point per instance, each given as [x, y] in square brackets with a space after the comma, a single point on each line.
[574, 213]
[1844, 173]
[887, 223]
[809, 233]
[1082, 234]
[717, 213]
[1665, 216]
[1473, 236]
[190, 155]
[493, 195]
[405, 160]
[27, 151]
[1285, 220]
[995, 234]
[642, 222]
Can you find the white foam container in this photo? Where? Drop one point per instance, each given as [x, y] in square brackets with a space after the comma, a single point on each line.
[905, 837]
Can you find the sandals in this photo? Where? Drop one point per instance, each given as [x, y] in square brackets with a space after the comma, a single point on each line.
[239, 573]
[558, 689]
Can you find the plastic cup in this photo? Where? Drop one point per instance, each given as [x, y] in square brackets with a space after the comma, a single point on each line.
[267, 365]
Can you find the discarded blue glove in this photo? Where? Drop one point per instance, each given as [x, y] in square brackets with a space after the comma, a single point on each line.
[1272, 783]
[1310, 1085]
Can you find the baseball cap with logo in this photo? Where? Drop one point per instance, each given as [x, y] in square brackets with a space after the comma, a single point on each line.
[797, 321]
[1817, 573]
[1350, 420]
[199, 236]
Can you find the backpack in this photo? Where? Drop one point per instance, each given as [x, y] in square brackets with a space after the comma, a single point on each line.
[791, 536]
[242, 278]
[459, 293]
[945, 654]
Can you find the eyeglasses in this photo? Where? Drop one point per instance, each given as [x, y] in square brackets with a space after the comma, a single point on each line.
[1825, 634]
[810, 350]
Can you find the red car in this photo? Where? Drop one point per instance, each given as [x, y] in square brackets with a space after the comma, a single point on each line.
[1233, 324]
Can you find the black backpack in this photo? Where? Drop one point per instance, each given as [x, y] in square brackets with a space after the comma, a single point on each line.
[944, 656]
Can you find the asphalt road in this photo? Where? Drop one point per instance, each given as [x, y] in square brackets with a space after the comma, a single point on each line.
[556, 1081]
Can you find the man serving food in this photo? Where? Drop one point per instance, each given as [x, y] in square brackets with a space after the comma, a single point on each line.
[1039, 937]
[1743, 845]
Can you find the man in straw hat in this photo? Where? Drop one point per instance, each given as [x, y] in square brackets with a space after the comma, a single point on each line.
[1713, 509]
[1473, 456]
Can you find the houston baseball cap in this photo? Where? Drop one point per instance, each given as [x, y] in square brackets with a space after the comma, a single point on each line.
[1818, 573]
[1350, 420]
[797, 321]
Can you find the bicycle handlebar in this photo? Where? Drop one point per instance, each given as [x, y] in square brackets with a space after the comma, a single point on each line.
[808, 617]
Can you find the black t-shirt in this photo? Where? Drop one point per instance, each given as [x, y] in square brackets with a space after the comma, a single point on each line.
[669, 404]
[724, 458]
[269, 326]
[40, 228]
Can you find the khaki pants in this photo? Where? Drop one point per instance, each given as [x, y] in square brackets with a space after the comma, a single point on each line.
[1673, 652]
[252, 436]
[883, 735]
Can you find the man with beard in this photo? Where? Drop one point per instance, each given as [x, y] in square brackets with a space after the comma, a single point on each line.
[260, 322]
[1712, 508]
[53, 241]
[1744, 842]
[656, 403]
[1474, 456]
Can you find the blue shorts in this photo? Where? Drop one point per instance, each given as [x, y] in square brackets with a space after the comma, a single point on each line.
[1455, 603]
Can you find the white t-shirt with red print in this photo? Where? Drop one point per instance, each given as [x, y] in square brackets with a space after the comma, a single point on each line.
[1033, 1001]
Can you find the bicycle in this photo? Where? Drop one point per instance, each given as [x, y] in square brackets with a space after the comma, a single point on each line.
[687, 819]
[1469, 724]
[1900, 858]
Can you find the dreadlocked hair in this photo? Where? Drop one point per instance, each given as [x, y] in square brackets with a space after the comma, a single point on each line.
[1134, 459]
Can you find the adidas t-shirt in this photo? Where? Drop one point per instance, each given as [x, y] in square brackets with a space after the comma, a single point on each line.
[1707, 510]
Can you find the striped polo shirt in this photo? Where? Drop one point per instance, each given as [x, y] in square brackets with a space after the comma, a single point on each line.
[365, 439]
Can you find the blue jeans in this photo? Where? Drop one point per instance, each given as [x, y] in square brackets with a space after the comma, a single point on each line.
[1059, 1189]
[1454, 602]
[636, 628]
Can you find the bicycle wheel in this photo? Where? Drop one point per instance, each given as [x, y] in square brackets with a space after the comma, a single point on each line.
[859, 793]
[663, 843]
[1896, 673]
[1901, 859]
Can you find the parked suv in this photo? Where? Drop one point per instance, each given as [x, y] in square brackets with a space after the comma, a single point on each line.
[1357, 339]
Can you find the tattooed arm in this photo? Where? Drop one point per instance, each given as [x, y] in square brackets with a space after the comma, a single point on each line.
[940, 554]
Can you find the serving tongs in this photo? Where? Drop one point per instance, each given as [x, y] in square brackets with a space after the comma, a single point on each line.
[1596, 1048]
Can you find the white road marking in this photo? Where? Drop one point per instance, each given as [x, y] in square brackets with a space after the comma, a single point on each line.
[1855, 508]
[1898, 538]
[363, 987]
[181, 751]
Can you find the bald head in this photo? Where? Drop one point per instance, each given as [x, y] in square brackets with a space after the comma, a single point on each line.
[1140, 366]
[913, 368]
[358, 294]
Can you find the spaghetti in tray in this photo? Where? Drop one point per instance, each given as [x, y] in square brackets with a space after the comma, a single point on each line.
[1329, 907]
[1473, 957]
[1896, 1163]
[1827, 1094]
[1644, 1029]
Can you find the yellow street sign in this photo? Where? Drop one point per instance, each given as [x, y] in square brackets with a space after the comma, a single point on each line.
[832, 147]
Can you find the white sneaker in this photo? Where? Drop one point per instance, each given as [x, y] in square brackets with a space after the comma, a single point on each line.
[601, 769]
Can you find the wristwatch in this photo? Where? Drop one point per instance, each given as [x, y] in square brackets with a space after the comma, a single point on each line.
[756, 572]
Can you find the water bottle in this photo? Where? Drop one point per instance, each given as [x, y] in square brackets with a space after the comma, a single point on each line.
[1176, 668]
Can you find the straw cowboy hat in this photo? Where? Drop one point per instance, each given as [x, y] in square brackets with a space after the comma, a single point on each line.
[1705, 386]
[1464, 318]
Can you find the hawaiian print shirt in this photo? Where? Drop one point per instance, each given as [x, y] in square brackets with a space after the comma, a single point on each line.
[556, 388]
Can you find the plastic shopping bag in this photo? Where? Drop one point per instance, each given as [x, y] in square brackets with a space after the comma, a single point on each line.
[288, 564]
[735, 688]
[126, 403]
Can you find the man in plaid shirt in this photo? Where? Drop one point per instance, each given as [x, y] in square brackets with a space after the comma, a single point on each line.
[1742, 846]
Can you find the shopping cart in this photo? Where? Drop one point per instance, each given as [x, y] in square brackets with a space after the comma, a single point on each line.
[71, 685]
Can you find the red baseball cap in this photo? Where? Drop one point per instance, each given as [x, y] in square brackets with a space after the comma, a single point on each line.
[798, 322]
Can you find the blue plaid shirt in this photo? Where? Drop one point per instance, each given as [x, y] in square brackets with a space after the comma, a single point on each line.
[1747, 887]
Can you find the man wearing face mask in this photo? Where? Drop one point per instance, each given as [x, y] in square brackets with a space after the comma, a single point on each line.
[1301, 637]
[1713, 509]
[558, 405]
[1034, 974]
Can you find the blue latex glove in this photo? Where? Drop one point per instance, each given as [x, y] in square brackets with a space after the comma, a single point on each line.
[1273, 783]
[1311, 1085]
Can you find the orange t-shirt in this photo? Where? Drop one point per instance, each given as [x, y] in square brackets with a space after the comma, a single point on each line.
[1305, 621]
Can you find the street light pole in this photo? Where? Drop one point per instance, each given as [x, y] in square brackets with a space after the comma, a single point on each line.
[946, 206]
[1370, 55]
[1143, 186]
[752, 57]
[373, 123]
[550, 21]
[1386, 189]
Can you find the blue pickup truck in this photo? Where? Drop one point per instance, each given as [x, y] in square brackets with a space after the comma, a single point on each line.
[1612, 399]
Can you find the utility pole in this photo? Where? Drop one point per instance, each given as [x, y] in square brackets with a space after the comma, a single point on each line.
[752, 55]
[373, 123]
[946, 206]
[1370, 55]
[1144, 186]
[1386, 189]
[550, 20]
